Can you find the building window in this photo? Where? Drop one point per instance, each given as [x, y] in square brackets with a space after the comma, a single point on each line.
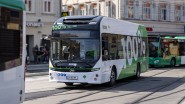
[183, 13]
[82, 10]
[94, 9]
[131, 10]
[108, 8]
[76, 9]
[87, 9]
[70, 8]
[29, 5]
[148, 10]
[164, 11]
[100, 12]
[113, 7]
[177, 13]
[48, 6]
[180, 13]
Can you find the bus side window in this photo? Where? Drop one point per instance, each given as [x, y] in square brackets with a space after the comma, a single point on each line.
[113, 52]
[119, 48]
[105, 47]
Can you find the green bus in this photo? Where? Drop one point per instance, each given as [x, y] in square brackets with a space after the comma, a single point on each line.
[166, 51]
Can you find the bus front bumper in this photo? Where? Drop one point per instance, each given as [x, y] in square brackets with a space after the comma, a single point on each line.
[75, 77]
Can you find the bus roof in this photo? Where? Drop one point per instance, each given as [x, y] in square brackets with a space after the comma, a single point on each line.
[180, 37]
[16, 4]
[76, 20]
[103, 23]
[176, 37]
[116, 26]
[80, 17]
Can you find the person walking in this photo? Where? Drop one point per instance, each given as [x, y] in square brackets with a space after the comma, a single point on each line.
[35, 54]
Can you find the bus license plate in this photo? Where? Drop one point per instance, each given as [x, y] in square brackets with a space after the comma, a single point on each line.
[72, 77]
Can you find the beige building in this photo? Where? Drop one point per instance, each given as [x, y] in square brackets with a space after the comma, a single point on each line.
[41, 15]
[161, 17]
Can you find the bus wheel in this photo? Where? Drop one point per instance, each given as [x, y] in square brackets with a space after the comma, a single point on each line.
[138, 71]
[69, 84]
[173, 62]
[151, 66]
[112, 78]
[83, 84]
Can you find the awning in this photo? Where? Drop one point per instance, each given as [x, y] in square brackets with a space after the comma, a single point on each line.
[16, 4]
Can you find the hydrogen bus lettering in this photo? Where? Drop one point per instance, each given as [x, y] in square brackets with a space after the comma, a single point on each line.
[131, 46]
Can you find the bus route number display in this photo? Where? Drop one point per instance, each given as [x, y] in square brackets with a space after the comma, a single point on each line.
[62, 27]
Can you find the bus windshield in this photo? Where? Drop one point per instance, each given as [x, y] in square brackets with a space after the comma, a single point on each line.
[153, 46]
[75, 50]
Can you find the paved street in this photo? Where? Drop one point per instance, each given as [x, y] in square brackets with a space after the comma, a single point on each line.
[157, 86]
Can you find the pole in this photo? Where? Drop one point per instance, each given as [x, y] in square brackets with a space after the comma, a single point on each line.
[60, 7]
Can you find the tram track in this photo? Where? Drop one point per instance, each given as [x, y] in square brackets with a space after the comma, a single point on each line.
[115, 86]
[42, 94]
[153, 98]
[182, 101]
[157, 90]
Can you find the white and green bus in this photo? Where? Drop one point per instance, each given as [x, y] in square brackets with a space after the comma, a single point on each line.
[96, 50]
[12, 51]
[166, 51]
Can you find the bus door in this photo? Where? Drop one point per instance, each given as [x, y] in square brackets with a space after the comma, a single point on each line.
[182, 51]
[165, 51]
[105, 52]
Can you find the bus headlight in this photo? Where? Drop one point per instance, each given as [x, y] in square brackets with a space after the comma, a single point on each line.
[95, 69]
[52, 69]
[92, 23]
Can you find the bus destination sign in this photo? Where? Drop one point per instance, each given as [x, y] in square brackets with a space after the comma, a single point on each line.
[62, 27]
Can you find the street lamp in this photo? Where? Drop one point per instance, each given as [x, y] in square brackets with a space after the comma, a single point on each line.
[60, 6]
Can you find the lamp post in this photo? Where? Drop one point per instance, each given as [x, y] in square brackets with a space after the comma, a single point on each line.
[60, 6]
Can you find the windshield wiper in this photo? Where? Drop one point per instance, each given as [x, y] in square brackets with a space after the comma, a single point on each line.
[87, 63]
[82, 60]
[58, 61]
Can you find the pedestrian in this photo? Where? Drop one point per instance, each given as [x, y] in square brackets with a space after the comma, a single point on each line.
[46, 51]
[35, 54]
[46, 55]
[41, 55]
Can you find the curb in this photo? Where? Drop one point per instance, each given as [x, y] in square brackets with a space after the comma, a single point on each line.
[35, 69]
[38, 65]
[36, 74]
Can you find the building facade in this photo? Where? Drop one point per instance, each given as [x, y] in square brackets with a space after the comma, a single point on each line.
[40, 17]
[161, 17]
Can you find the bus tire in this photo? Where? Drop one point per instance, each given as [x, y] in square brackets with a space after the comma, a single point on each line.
[151, 66]
[69, 84]
[138, 71]
[83, 84]
[112, 78]
[173, 62]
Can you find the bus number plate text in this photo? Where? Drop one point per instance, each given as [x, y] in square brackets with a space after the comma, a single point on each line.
[71, 77]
